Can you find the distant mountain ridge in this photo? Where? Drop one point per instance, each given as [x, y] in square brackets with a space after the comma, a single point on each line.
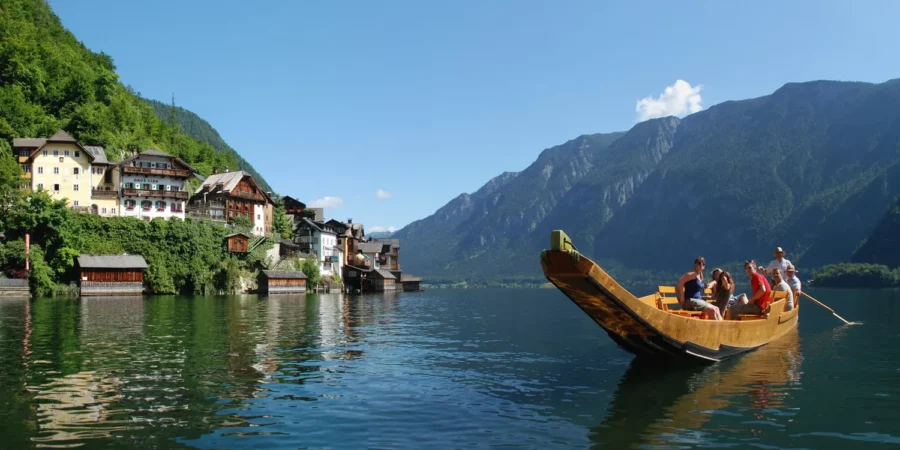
[194, 126]
[812, 167]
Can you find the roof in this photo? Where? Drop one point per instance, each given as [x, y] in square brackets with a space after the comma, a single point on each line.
[407, 277]
[288, 199]
[162, 154]
[370, 247]
[112, 261]
[155, 152]
[29, 142]
[226, 182]
[387, 275]
[237, 234]
[98, 153]
[61, 136]
[284, 274]
[338, 249]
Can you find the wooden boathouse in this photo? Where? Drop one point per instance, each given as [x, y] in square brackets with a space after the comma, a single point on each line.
[111, 274]
[281, 282]
[410, 283]
[382, 280]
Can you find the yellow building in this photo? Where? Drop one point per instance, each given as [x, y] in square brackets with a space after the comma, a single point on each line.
[65, 169]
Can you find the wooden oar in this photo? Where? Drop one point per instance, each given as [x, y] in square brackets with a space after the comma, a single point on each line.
[829, 309]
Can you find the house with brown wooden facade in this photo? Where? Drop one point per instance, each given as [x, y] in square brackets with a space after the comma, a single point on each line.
[111, 274]
[281, 282]
[225, 196]
[237, 243]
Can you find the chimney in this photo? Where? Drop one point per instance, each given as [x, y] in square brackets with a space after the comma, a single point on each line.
[350, 221]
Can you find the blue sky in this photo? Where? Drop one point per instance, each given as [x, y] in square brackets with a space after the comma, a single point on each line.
[422, 101]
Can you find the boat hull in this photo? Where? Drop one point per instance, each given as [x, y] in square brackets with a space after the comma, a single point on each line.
[639, 326]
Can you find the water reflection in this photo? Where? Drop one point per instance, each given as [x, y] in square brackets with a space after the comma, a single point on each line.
[660, 406]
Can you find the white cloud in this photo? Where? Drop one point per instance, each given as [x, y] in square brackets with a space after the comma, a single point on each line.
[381, 193]
[381, 229]
[327, 202]
[679, 99]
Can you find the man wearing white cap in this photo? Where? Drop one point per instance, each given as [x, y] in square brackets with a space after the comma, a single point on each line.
[780, 262]
[793, 281]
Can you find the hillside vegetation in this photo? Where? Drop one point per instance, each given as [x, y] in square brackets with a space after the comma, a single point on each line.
[49, 80]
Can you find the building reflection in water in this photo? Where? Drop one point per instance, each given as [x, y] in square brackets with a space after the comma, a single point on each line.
[657, 405]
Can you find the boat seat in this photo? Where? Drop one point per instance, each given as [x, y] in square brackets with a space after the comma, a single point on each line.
[774, 296]
[666, 298]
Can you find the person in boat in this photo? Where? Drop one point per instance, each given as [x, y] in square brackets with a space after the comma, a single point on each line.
[756, 304]
[723, 289]
[780, 262]
[793, 281]
[690, 292]
[780, 285]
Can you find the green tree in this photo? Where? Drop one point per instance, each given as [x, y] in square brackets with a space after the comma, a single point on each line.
[281, 223]
[310, 267]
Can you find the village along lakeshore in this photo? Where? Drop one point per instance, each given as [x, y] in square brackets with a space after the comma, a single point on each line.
[156, 291]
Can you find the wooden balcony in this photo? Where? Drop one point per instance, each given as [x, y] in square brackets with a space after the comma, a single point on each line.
[247, 196]
[99, 193]
[178, 195]
[180, 173]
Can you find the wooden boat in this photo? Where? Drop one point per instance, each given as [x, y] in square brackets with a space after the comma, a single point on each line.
[646, 326]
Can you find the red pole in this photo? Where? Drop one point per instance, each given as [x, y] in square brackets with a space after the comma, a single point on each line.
[27, 248]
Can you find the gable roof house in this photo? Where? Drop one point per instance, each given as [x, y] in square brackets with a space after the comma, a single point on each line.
[225, 196]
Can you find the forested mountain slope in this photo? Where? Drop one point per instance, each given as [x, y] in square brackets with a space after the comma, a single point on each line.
[49, 80]
[812, 167]
[199, 129]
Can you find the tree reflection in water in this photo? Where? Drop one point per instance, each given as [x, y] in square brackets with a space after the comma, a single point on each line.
[660, 405]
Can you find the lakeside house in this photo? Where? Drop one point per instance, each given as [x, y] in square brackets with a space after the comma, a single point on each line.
[111, 274]
[153, 185]
[410, 283]
[147, 185]
[320, 239]
[281, 282]
[382, 280]
[61, 166]
[225, 196]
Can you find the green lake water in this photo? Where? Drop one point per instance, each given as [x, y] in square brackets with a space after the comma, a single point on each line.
[436, 369]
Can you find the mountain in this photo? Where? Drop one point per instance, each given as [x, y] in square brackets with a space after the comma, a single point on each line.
[199, 129]
[883, 246]
[811, 167]
[49, 80]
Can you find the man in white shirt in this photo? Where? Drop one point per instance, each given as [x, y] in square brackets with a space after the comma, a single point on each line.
[780, 262]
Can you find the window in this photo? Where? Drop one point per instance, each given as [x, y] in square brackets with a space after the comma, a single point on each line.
[129, 205]
[26, 168]
[257, 217]
[174, 188]
[160, 206]
[162, 187]
[40, 170]
[75, 203]
[67, 153]
[56, 171]
[40, 186]
[46, 152]
[55, 152]
[75, 187]
[75, 171]
[112, 210]
[146, 204]
[103, 210]
[56, 187]
[77, 153]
